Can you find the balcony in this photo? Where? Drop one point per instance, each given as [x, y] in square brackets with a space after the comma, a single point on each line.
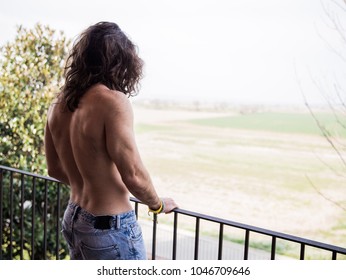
[32, 206]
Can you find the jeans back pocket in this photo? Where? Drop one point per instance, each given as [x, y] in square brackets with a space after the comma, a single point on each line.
[105, 253]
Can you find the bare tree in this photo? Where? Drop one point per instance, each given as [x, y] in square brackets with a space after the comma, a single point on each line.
[335, 95]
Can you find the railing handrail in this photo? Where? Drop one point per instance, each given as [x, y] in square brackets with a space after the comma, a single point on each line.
[263, 231]
[28, 173]
[222, 222]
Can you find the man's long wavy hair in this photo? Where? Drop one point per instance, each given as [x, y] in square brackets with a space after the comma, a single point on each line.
[102, 54]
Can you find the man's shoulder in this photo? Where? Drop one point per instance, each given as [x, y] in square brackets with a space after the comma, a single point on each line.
[100, 91]
[109, 100]
[56, 107]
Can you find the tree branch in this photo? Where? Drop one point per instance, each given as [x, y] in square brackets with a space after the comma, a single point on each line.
[324, 196]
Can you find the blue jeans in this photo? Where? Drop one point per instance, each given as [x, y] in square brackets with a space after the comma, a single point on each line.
[120, 238]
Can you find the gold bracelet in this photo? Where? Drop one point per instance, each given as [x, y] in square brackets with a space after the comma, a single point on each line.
[160, 210]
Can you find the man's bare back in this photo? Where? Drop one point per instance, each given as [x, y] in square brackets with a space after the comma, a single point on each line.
[93, 150]
[90, 146]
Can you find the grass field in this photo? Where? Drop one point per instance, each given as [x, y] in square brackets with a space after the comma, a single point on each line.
[264, 169]
[293, 123]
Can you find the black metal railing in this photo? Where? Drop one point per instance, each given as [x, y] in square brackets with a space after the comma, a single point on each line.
[30, 218]
[30, 215]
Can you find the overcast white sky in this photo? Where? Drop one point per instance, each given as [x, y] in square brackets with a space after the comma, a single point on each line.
[243, 51]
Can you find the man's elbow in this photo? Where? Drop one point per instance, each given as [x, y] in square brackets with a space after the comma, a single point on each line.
[135, 184]
[131, 180]
[55, 173]
[52, 173]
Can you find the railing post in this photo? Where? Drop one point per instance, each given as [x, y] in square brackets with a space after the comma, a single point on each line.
[11, 216]
[273, 250]
[302, 251]
[33, 203]
[197, 238]
[246, 245]
[219, 256]
[153, 247]
[22, 217]
[45, 220]
[58, 223]
[175, 231]
[136, 210]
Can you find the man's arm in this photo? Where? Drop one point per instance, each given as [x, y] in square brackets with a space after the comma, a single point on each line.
[54, 166]
[121, 146]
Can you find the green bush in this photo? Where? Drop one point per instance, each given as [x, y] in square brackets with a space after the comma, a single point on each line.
[31, 69]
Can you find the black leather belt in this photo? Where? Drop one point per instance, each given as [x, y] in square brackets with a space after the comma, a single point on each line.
[105, 222]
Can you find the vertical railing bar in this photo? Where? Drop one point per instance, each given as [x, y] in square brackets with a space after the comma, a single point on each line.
[272, 257]
[334, 255]
[57, 236]
[246, 245]
[33, 204]
[219, 257]
[136, 210]
[22, 217]
[153, 245]
[11, 216]
[45, 220]
[1, 213]
[175, 231]
[197, 238]
[302, 251]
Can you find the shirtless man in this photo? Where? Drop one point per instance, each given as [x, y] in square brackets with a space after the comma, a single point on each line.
[90, 146]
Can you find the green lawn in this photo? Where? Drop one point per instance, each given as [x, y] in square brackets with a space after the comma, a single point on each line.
[302, 123]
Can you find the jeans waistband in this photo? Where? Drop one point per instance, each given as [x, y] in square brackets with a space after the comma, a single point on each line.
[101, 222]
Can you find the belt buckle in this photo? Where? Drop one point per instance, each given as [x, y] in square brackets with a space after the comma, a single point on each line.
[103, 222]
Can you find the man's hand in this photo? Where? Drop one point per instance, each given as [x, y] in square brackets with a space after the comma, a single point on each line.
[170, 205]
